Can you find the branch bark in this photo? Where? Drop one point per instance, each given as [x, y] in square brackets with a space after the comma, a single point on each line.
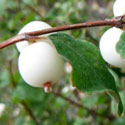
[79, 105]
[23, 103]
[29, 111]
[115, 22]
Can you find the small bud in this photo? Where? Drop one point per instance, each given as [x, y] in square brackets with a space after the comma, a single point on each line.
[68, 67]
[47, 87]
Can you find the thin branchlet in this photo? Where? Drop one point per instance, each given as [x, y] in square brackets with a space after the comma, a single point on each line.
[118, 22]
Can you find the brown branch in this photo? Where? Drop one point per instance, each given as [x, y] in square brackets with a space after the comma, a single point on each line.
[71, 101]
[116, 22]
[33, 9]
[29, 111]
[16, 39]
[91, 111]
[11, 74]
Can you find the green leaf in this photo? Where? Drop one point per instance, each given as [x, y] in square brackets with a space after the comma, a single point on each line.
[89, 71]
[120, 46]
[116, 77]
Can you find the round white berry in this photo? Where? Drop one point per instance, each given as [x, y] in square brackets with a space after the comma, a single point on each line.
[108, 47]
[32, 26]
[119, 8]
[39, 63]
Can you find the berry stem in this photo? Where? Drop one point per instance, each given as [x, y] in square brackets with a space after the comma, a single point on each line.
[118, 22]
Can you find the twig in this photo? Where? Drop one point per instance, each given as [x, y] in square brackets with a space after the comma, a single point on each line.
[33, 9]
[29, 111]
[11, 74]
[116, 22]
[70, 101]
[92, 112]
[16, 39]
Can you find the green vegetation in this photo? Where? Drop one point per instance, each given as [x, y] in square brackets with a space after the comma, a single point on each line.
[23, 104]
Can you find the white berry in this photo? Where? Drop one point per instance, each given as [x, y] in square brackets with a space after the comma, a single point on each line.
[108, 47]
[39, 63]
[32, 26]
[119, 8]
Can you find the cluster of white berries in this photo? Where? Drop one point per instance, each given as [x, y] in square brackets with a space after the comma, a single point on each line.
[39, 63]
[111, 37]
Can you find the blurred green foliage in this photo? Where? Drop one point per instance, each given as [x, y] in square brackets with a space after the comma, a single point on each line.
[48, 108]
